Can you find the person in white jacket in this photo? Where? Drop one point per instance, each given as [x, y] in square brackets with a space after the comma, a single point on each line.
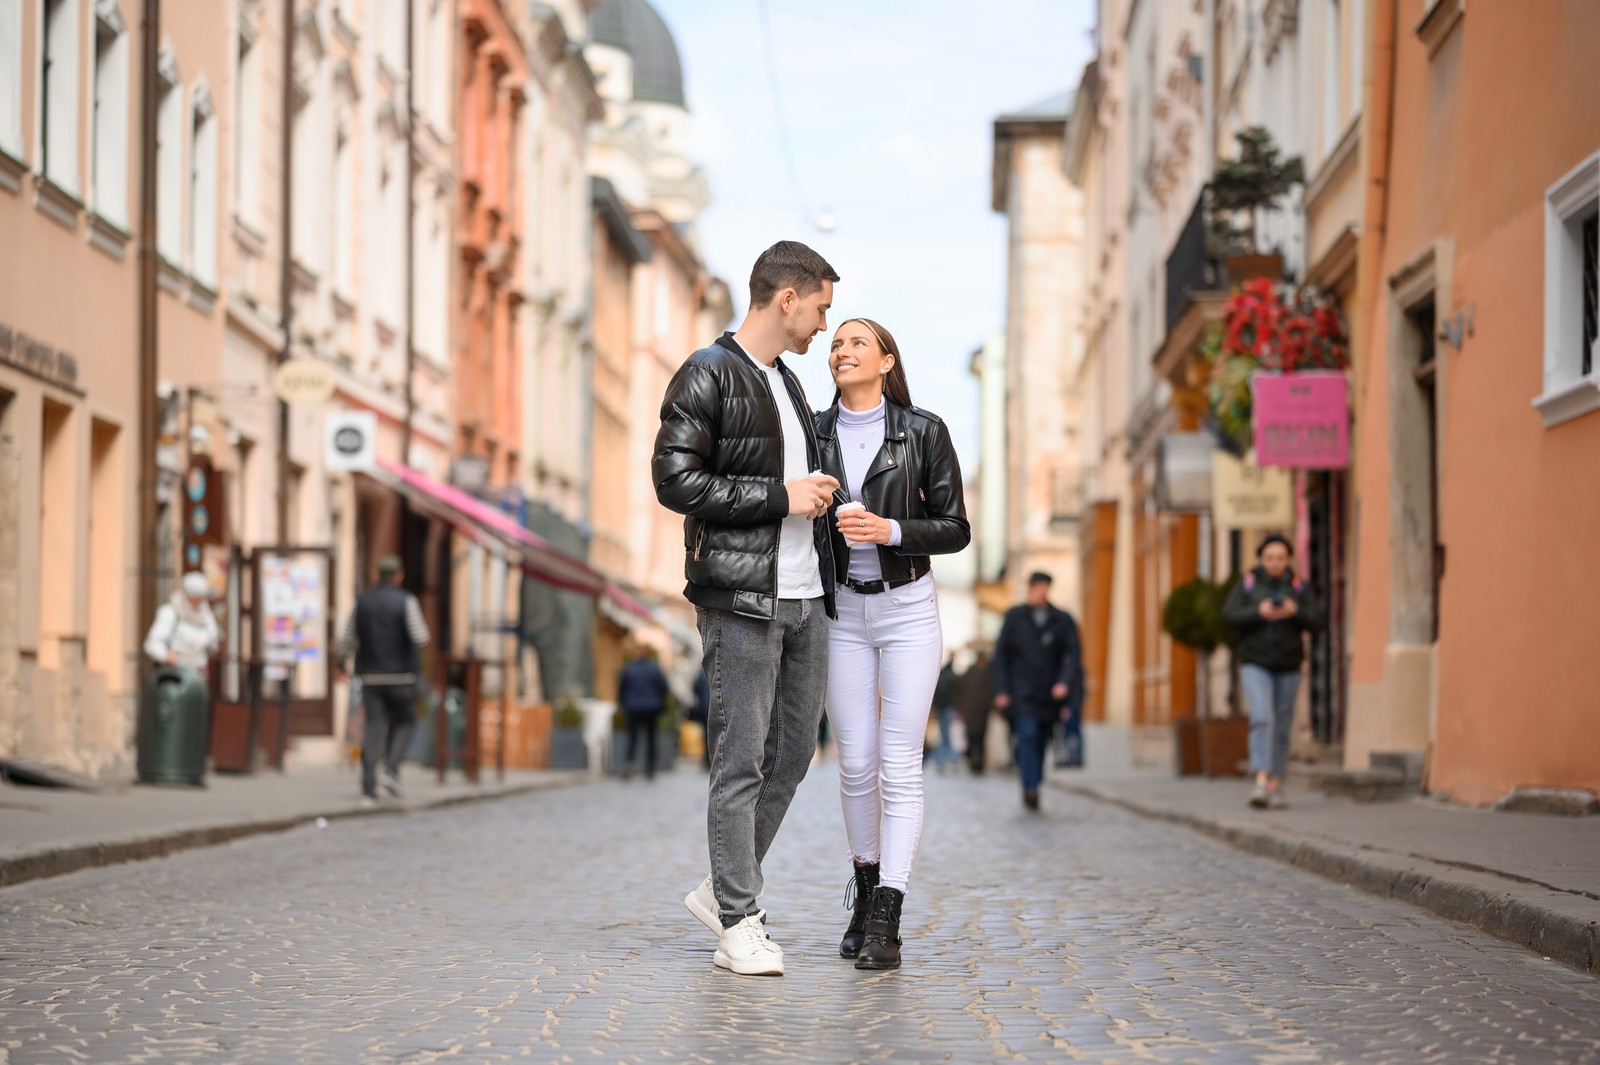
[185, 631]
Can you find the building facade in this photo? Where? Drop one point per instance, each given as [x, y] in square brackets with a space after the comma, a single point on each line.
[1477, 404]
[1043, 346]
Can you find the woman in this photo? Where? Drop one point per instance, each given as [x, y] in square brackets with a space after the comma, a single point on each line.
[886, 648]
[1271, 609]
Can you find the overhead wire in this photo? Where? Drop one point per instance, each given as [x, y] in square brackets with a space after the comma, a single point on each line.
[782, 121]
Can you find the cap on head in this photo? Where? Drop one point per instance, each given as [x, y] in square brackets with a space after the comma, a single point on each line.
[388, 566]
[1040, 577]
[195, 586]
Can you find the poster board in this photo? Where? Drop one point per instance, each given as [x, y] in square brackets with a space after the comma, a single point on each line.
[294, 627]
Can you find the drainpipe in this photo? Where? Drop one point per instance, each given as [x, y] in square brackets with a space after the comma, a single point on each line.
[286, 270]
[149, 413]
[1376, 150]
[411, 239]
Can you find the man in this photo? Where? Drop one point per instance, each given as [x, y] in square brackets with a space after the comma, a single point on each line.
[734, 455]
[184, 632]
[384, 631]
[975, 702]
[642, 694]
[1038, 677]
[944, 708]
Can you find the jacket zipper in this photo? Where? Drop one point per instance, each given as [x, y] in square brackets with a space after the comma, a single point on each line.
[905, 460]
[699, 539]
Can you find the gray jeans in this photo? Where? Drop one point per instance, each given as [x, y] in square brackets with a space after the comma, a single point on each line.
[767, 681]
[390, 720]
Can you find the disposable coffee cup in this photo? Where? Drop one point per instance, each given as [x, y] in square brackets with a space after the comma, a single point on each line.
[849, 508]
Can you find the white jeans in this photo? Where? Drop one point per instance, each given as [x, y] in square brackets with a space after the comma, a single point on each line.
[884, 651]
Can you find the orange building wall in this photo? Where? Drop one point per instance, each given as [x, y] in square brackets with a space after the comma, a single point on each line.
[1472, 154]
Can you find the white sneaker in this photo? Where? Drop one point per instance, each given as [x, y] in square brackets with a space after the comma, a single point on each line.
[702, 902]
[746, 949]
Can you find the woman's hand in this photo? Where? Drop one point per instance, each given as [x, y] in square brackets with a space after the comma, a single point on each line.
[864, 527]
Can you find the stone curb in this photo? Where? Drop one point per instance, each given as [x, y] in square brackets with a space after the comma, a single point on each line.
[21, 868]
[1558, 925]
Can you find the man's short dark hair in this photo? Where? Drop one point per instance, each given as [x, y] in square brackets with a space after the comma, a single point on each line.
[1040, 577]
[788, 264]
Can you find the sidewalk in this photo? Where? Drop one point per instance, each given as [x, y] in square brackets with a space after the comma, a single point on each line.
[50, 831]
[1533, 879]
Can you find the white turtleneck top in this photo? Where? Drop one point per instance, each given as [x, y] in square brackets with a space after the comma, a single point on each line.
[860, 440]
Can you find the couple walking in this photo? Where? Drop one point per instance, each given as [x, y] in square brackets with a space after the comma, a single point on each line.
[808, 539]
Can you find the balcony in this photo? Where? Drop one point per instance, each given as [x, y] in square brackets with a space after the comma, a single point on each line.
[1191, 271]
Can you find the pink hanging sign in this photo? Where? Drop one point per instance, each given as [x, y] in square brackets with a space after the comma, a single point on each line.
[1302, 420]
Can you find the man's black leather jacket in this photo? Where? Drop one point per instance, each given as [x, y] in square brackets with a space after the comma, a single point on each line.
[719, 461]
[915, 480]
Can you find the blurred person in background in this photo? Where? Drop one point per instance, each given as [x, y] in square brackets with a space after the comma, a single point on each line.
[1272, 610]
[1038, 678]
[642, 695]
[384, 632]
[974, 700]
[184, 632]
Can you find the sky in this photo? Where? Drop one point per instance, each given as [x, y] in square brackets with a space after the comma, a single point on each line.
[890, 107]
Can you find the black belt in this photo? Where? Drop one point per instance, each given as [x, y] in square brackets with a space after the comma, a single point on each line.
[874, 587]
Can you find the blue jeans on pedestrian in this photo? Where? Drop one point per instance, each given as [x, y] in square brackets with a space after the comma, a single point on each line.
[1269, 697]
[1030, 734]
[946, 752]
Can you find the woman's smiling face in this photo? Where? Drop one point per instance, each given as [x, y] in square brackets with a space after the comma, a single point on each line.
[856, 356]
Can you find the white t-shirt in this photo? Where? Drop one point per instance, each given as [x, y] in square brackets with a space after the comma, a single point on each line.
[799, 572]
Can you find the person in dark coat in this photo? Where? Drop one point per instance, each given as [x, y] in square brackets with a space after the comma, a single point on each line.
[975, 702]
[642, 694]
[1038, 679]
[1271, 609]
[700, 714]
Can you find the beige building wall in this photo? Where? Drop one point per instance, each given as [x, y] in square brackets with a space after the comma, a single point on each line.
[1044, 345]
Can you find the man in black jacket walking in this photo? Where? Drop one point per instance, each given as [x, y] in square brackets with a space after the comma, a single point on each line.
[383, 632]
[735, 455]
[1038, 678]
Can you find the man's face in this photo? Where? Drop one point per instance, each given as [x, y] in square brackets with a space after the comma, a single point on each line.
[805, 316]
[1038, 593]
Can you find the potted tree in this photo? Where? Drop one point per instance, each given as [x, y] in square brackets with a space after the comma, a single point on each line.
[1258, 178]
[1192, 616]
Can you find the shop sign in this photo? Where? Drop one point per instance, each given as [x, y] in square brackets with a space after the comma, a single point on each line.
[303, 381]
[350, 440]
[1302, 420]
[205, 527]
[1247, 496]
[1183, 480]
[32, 355]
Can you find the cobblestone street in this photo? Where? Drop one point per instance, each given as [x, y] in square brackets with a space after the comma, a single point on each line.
[549, 928]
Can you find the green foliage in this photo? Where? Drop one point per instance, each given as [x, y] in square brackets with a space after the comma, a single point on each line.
[567, 714]
[1257, 178]
[1193, 615]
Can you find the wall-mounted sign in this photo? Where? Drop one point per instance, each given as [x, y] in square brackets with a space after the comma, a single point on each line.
[1183, 479]
[1247, 496]
[204, 511]
[1302, 420]
[350, 440]
[303, 381]
[32, 355]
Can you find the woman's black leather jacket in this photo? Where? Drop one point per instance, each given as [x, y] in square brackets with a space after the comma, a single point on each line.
[915, 480]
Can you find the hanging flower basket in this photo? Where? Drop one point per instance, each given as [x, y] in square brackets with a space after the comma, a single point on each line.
[1267, 327]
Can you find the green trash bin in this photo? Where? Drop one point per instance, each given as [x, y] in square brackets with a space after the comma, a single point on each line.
[174, 727]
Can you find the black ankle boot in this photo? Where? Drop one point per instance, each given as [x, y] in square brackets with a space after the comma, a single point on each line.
[882, 947]
[858, 895]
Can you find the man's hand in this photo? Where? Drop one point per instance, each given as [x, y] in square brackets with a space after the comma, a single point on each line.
[1002, 701]
[809, 496]
[1059, 693]
[1289, 609]
[1268, 611]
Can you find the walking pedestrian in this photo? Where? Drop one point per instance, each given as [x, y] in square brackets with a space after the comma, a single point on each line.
[184, 632]
[642, 694]
[1271, 609]
[383, 632]
[1038, 678]
[900, 469]
[736, 454]
[975, 702]
[700, 714]
[944, 708]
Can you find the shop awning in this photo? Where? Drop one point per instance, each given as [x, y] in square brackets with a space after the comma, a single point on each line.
[539, 558]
